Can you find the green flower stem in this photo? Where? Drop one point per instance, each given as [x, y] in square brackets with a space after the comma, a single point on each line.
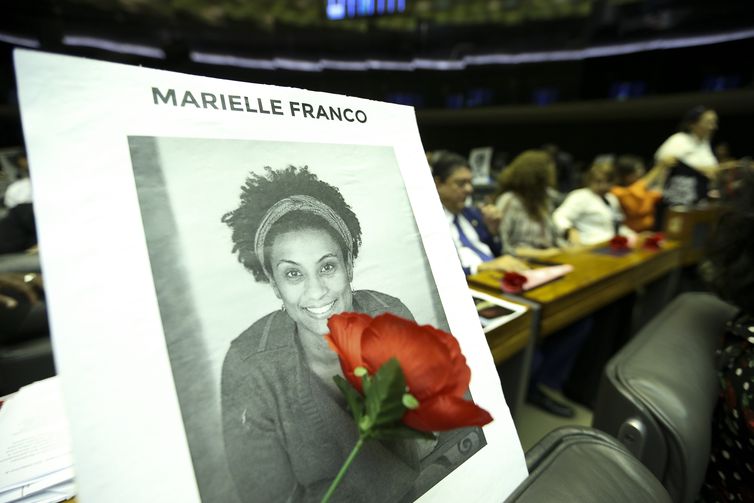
[344, 469]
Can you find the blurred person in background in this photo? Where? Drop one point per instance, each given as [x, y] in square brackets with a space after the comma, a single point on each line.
[639, 191]
[527, 228]
[688, 182]
[691, 144]
[18, 232]
[567, 171]
[729, 270]
[592, 214]
[526, 204]
[474, 230]
[19, 191]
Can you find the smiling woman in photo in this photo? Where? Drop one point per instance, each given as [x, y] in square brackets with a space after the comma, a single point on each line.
[285, 424]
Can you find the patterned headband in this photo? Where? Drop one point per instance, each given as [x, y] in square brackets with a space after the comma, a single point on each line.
[300, 203]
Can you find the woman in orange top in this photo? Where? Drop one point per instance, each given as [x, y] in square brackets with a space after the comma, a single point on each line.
[638, 191]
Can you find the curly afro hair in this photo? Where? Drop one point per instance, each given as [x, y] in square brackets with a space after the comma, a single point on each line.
[260, 192]
[729, 264]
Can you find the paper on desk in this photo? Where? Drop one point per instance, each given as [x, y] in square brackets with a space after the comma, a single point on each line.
[54, 494]
[34, 437]
[51, 485]
[494, 311]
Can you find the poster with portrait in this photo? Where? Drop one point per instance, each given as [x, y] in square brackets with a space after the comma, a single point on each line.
[196, 234]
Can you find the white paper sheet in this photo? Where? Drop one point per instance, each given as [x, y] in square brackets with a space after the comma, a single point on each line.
[86, 125]
[35, 442]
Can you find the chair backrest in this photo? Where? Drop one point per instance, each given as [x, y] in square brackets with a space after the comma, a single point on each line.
[657, 393]
[584, 465]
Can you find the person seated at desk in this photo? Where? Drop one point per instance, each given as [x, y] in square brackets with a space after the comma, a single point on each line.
[477, 247]
[19, 191]
[474, 230]
[526, 206]
[592, 214]
[639, 191]
[527, 227]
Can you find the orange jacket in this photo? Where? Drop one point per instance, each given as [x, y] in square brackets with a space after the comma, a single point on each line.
[638, 203]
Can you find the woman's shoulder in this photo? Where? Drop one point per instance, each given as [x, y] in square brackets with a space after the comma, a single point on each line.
[509, 200]
[675, 145]
[373, 303]
[578, 195]
[269, 333]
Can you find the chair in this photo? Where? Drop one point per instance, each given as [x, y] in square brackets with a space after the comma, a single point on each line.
[657, 394]
[584, 465]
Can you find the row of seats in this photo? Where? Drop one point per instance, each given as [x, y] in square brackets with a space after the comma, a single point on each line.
[650, 439]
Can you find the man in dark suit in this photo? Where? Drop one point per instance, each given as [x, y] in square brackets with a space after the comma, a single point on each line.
[474, 230]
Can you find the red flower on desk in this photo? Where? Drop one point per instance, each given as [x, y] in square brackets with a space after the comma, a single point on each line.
[513, 282]
[435, 371]
[402, 380]
[654, 241]
[619, 243]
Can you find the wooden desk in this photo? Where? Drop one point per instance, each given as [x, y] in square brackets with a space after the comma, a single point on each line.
[596, 281]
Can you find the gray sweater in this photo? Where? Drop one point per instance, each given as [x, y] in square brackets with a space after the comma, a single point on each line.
[286, 434]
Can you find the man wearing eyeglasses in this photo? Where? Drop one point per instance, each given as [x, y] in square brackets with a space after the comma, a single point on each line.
[474, 230]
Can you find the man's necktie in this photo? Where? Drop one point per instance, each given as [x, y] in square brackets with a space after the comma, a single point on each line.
[467, 243]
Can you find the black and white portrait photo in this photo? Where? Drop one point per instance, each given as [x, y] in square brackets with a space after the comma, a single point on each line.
[253, 245]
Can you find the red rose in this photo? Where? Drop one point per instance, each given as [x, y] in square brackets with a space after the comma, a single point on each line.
[653, 242]
[619, 243]
[513, 282]
[435, 370]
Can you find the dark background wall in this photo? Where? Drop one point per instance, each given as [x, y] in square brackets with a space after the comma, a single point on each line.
[627, 103]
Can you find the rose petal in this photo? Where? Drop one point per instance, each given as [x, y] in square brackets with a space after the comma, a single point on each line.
[346, 330]
[444, 413]
[420, 350]
[459, 375]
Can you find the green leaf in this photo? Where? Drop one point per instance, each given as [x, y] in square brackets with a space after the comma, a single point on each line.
[401, 431]
[384, 397]
[353, 399]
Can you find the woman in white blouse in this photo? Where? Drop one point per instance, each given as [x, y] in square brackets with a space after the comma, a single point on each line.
[691, 144]
[592, 214]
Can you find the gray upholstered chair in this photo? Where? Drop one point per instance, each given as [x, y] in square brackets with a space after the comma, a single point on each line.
[658, 393]
[584, 465]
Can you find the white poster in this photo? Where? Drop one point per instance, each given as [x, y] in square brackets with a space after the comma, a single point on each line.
[187, 373]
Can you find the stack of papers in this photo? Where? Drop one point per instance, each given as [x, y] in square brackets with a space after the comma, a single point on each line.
[36, 465]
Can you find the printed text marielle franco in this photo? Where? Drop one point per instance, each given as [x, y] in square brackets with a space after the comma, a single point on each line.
[238, 103]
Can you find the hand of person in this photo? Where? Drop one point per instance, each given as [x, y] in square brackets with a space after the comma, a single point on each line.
[573, 237]
[22, 284]
[732, 164]
[504, 263]
[492, 216]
